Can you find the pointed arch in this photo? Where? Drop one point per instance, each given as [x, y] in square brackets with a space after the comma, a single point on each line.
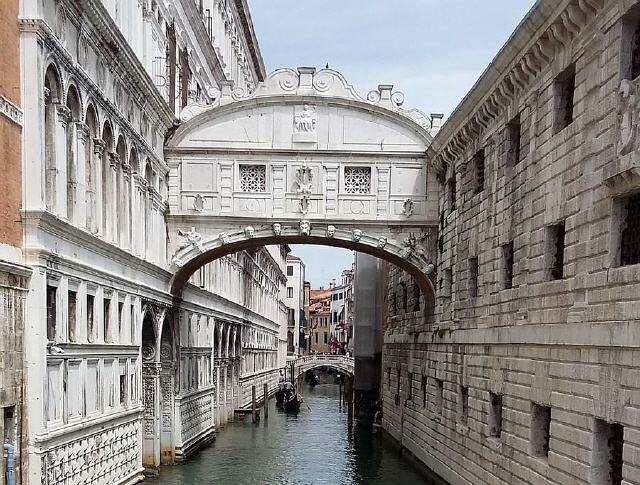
[74, 113]
[105, 183]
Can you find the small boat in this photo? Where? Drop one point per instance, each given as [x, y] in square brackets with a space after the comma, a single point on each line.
[314, 380]
[284, 388]
[292, 402]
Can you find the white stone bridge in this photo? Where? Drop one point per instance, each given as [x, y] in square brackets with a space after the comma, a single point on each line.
[341, 363]
[302, 160]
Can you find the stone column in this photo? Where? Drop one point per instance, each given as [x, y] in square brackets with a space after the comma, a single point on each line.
[111, 197]
[126, 202]
[63, 114]
[331, 189]
[96, 199]
[80, 212]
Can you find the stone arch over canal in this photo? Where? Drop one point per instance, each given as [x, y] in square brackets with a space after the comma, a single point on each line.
[303, 160]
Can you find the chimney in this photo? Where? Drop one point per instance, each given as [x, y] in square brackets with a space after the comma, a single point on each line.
[436, 122]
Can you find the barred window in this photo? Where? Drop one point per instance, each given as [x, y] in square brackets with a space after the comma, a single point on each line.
[477, 164]
[357, 180]
[630, 244]
[253, 178]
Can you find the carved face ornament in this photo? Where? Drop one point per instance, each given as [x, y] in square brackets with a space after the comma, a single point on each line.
[331, 231]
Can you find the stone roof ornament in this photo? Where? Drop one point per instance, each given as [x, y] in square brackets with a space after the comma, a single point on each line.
[192, 238]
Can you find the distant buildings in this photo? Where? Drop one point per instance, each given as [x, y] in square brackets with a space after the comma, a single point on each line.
[294, 299]
[320, 320]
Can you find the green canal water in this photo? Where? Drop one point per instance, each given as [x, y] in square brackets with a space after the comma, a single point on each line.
[314, 447]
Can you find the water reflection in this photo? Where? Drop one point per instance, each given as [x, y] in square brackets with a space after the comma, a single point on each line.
[313, 447]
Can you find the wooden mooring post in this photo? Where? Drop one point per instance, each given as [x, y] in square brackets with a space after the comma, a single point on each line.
[253, 404]
[265, 403]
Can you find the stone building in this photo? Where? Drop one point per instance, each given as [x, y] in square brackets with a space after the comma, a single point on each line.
[133, 375]
[294, 298]
[320, 320]
[528, 373]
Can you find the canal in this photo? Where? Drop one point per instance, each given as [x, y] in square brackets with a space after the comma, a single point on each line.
[314, 447]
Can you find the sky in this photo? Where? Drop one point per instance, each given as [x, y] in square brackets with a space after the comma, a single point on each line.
[431, 50]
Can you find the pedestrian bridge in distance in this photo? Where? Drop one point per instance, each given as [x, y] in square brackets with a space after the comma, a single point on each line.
[341, 363]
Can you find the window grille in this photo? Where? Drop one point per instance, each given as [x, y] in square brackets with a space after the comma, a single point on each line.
[357, 180]
[507, 255]
[557, 266]
[478, 171]
[565, 86]
[630, 244]
[253, 178]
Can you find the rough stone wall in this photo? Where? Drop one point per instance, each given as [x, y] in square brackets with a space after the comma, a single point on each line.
[570, 344]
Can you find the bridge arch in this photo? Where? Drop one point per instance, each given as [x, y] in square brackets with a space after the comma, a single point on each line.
[302, 160]
[340, 363]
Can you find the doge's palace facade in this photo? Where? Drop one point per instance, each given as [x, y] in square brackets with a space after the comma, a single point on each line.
[120, 375]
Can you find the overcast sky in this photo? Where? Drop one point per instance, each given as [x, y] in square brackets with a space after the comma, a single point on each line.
[431, 50]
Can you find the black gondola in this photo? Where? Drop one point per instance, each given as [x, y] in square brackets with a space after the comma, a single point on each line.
[314, 379]
[292, 402]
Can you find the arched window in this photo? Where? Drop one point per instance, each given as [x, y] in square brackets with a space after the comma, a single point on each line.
[107, 196]
[121, 193]
[51, 101]
[90, 173]
[134, 166]
[73, 105]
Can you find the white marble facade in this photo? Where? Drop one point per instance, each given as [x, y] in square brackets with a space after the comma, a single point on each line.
[121, 374]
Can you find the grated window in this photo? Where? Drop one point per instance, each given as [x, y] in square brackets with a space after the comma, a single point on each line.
[253, 178]
[357, 180]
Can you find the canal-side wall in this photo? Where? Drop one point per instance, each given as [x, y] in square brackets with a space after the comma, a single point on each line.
[530, 373]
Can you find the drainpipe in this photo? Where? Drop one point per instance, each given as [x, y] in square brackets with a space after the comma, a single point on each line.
[10, 472]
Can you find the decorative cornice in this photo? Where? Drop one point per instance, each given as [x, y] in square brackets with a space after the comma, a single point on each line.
[512, 72]
[10, 110]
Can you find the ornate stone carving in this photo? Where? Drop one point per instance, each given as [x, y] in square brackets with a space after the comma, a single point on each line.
[305, 227]
[627, 116]
[192, 238]
[224, 238]
[276, 228]
[306, 120]
[382, 242]
[357, 180]
[249, 232]
[408, 207]
[412, 247]
[331, 231]
[198, 203]
[356, 235]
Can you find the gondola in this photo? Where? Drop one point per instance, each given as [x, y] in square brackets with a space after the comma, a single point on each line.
[292, 402]
[314, 380]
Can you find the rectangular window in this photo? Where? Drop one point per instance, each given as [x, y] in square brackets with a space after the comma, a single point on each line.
[451, 193]
[424, 391]
[514, 141]
[630, 45]
[132, 323]
[477, 164]
[564, 91]
[120, 318]
[357, 180]
[397, 398]
[507, 265]
[495, 415]
[556, 235]
[122, 384]
[447, 282]
[540, 428]
[463, 404]
[72, 304]
[473, 277]
[253, 178]
[606, 458]
[106, 312]
[289, 270]
[90, 318]
[439, 397]
[409, 385]
[289, 292]
[52, 305]
[326, 337]
[630, 230]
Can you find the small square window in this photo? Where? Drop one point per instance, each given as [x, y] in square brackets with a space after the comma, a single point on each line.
[630, 230]
[463, 404]
[515, 152]
[477, 165]
[357, 180]
[607, 453]
[473, 277]
[540, 429]
[507, 265]
[495, 415]
[556, 244]
[253, 178]
[564, 92]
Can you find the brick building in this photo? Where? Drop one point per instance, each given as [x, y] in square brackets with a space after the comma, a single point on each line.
[529, 371]
[13, 275]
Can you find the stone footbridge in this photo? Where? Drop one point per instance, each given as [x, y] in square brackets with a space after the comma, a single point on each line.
[341, 363]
